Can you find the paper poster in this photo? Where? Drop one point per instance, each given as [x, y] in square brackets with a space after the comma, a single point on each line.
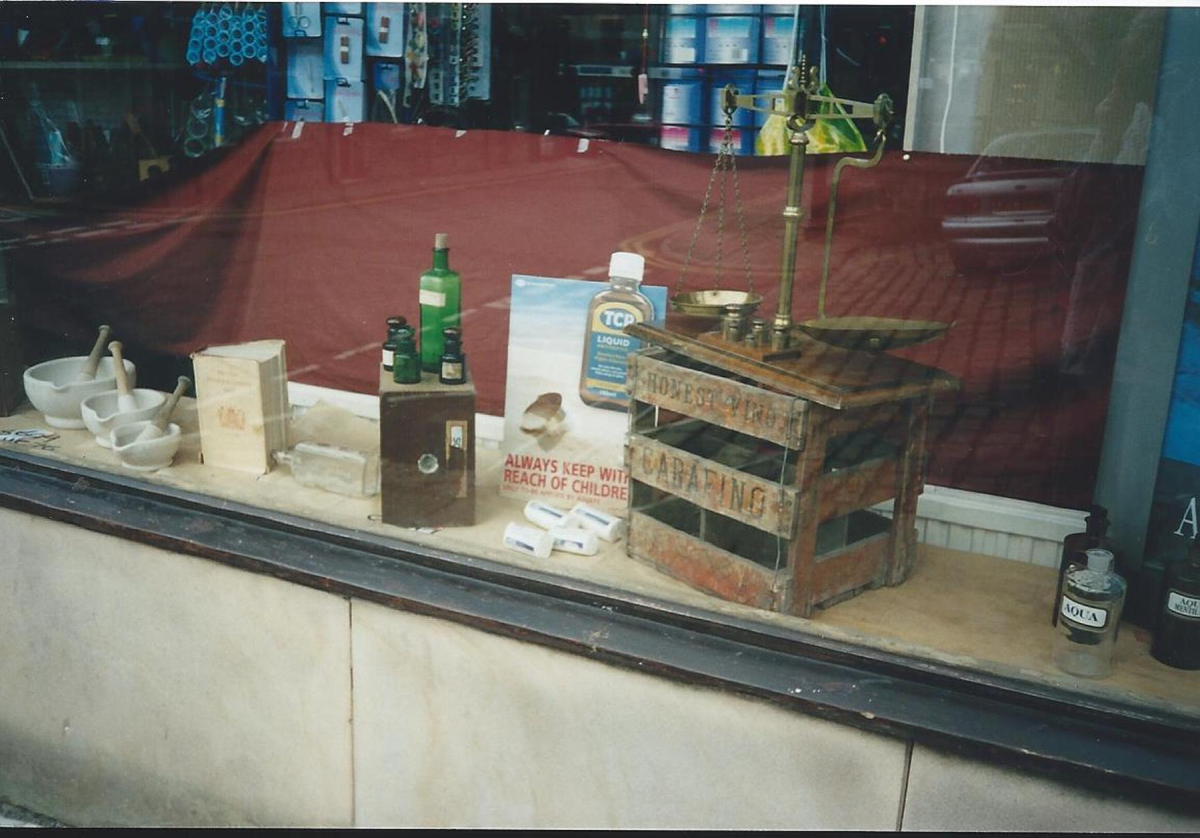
[557, 447]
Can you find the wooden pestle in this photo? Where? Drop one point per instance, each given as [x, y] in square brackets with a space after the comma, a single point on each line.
[125, 399]
[93, 361]
[158, 425]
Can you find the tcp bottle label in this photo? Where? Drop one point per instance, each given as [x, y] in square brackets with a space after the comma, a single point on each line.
[608, 347]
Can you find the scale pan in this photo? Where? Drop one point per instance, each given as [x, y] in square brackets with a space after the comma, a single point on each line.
[874, 334]
[713, 303]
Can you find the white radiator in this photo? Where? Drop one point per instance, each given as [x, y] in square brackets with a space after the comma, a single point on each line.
[992, 525]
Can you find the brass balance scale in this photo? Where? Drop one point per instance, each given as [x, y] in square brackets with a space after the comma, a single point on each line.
[757, 452]
[802, 104]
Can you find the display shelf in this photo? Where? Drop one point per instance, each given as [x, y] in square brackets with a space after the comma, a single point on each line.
[981, 616]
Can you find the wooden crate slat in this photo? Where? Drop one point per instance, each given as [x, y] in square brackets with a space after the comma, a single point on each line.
[859, 487]
[703, 565]
[719, 401]
[762, 504]
[854, 566]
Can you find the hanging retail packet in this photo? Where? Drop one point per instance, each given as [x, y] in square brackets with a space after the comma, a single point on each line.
[305, 73]
[384, 31]
[344, 48]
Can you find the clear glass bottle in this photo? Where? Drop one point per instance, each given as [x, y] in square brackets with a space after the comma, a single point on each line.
[1177, 635]
[606, 347]
[344, 471]
[440, 296]
[1076, 545]
[1089, 611]
[453, 366]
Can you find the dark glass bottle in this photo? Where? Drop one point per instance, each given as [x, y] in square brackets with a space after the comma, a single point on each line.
[1076, 545]
[406, 366]
[453, 364]
[1177, 637]
[394, 325]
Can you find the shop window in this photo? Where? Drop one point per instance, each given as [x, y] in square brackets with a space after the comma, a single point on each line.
[401, 254]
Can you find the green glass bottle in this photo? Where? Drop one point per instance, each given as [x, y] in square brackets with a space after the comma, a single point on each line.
[441, 303]
[406, 362]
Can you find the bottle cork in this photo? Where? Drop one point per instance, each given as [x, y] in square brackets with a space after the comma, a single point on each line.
[441, 241]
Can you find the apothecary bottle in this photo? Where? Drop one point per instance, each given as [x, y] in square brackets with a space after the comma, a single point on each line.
[394, 325]
[453, 365]
[1076, 545]
[440, 296]
[1177, 634]
[406, 365]
[1089, 611]
[606, 347]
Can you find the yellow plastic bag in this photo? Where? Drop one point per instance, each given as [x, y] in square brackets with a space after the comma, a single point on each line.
[826, 136]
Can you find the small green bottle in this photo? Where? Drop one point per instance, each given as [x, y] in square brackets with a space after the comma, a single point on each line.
[440, 297]
[406, 362]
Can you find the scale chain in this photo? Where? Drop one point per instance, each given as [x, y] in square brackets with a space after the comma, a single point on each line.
[724, 164]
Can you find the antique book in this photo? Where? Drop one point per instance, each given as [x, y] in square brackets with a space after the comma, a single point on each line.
[242, 404]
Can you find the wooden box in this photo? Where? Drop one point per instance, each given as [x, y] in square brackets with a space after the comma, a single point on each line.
[427, 452]
[764, 496]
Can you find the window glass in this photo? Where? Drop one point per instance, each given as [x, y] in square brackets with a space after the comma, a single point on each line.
[447, 272]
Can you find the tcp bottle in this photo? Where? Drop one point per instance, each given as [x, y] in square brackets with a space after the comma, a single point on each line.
[606, 347]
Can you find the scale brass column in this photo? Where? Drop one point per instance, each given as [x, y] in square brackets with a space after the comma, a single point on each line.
[782, 326]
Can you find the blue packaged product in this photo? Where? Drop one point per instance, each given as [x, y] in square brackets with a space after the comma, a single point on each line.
[384, 30]
[683, 39]
[343, 48]
[344, 101]
[300, 20]
[777, 39]
[681, 100]
[731, 39]
[305, 70]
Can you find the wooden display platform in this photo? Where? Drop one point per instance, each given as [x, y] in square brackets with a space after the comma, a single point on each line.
[753, 479]
[427, 452]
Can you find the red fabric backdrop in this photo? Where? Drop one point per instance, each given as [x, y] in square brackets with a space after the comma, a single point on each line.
[317, 235]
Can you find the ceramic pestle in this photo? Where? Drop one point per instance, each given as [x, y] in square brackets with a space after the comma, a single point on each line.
[158, 425]
[125, 398]
[88, 373]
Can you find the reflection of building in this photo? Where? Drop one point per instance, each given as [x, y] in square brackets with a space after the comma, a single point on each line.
[983, 72]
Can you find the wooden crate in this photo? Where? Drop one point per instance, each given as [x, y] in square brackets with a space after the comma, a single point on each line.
[763, 496]
[427, 452]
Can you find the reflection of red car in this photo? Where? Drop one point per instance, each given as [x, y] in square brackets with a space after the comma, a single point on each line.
[1002, 214]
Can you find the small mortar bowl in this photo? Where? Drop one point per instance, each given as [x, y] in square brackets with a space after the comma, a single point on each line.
[101, 416]
[148, 455]
[52, 389]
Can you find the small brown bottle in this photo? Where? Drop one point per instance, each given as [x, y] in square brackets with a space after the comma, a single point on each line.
[606, 347]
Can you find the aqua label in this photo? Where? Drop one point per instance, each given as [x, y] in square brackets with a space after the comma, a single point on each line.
[1084, 616]
[1183, 605]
